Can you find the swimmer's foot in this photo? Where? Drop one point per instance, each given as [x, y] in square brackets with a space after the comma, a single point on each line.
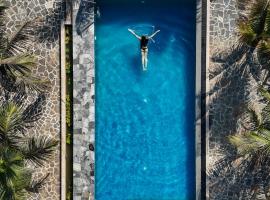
[144, 68]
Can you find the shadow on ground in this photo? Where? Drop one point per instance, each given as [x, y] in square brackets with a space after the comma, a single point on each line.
[234, 82]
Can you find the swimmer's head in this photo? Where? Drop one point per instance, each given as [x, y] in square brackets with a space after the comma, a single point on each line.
[144, 37]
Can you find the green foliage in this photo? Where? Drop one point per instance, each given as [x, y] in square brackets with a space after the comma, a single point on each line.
[68, 119]
[68, 137]
[68, 49]
[69, 197]
[69, 108]
[68, 111]
[255, 142]
[17, 115]
[14, 177]
[38, 149]
[17, 148]
[252, 143]
[254, 30]
[16, 62]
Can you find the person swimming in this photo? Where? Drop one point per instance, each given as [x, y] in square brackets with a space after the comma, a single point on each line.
[144, 39]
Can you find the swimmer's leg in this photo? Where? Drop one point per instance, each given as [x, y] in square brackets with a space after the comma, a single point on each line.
[146, 58]
[143, 60]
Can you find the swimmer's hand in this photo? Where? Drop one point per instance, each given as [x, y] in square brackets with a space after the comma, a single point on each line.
[154, 34]
[130, 30]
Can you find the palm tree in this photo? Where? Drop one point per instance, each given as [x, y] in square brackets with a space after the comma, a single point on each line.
[255, 145]
[16, 61]
[16, 180]
[254, 142]
[254, 31]
[17, 148]
[249, 164]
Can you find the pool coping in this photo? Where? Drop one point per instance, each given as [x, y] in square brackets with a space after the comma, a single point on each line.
[201, 104]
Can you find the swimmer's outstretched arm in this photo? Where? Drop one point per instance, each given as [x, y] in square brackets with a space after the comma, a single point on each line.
[134, 34]
[150, 37]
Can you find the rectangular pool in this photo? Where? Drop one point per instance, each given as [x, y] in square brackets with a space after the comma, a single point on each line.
[145, 120]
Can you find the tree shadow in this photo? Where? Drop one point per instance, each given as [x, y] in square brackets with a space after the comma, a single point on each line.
[49, 31]
[85, 16]
[32, 108]
[234, 82]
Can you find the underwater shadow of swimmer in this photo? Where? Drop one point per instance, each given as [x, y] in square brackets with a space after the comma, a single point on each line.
[136, 65]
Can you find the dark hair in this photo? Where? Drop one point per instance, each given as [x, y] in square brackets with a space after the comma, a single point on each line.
[144, 37]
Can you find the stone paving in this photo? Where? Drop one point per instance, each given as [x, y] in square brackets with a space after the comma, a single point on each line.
[46, 48]
[230, 91]
[84, 87]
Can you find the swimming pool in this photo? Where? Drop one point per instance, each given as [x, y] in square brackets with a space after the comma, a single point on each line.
[145, 133]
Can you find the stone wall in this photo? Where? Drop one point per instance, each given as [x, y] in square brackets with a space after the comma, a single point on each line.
[46, 48]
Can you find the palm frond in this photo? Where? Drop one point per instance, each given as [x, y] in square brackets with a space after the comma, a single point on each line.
[242, 4]
[258, 14]
[255, 117]
[265, 113]
[267, 23]
[247, 34]
[252, 143]
[11, 162]
[2, 25]
[16, 117]
[32, 84]
[36, 185]
[23, 179]
[266, 116]
[264, 139]
[263, 52]
[252, 119]
[21, 195]
[19, 68]
[33, 112]
[7, 193]
[264, 93]
[2, 193]
[244, 143]
[14, 177]
[3, 7]
[15, 62]
[38, 149]
[10, 118]
[21, 39]
[254, 28]
[21, 63]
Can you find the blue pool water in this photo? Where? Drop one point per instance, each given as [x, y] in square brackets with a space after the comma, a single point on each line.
[145, 119]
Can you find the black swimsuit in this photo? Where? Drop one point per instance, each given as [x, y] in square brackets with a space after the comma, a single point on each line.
[144, 43]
